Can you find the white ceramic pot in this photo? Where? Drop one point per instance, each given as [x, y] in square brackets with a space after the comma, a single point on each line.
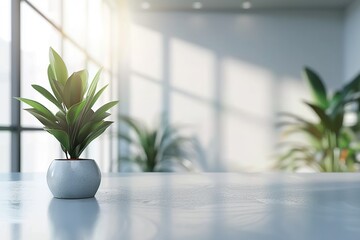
[73, 178]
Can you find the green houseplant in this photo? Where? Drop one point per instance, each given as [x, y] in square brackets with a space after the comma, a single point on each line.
[75, 125]
[329, 145]
[153, 149]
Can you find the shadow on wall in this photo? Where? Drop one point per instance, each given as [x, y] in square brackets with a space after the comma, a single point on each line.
[228, 74]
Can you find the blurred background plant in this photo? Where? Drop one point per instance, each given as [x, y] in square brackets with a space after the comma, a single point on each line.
[329, 144]
[163, 148]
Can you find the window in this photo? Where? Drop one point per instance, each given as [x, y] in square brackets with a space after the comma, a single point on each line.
[34, 57]
[50, 8]
[5, 151]
[5, 36]
[38, 149]
[79, 31]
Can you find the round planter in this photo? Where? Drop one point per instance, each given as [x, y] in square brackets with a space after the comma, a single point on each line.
[73, 178]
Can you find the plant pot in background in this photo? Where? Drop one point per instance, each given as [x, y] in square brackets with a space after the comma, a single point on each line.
[73, 178]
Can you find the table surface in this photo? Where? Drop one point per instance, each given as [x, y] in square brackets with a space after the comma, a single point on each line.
[186, 206]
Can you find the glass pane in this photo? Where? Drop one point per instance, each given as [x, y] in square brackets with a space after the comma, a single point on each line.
[114, 43]
[50, 8]
[96, 25]
[108, 31]
[113, 92]
[38, 149]
[34, 58]
[5, 36]
[5, 151]
[73, 57]
[75, 20]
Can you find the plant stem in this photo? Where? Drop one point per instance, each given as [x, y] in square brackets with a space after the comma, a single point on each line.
[334, 146]
[331, 149]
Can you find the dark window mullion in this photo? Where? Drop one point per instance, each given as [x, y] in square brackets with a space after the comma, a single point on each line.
[15, 86]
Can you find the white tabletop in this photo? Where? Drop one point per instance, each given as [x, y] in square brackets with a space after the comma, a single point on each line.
[186, 206]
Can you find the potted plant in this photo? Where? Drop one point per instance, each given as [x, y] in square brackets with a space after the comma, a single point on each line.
[161, 149]
[75, 125]
[330, 145]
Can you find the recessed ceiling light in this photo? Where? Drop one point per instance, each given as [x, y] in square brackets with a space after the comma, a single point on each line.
[145, 5]
[246, 5]
[197, 5]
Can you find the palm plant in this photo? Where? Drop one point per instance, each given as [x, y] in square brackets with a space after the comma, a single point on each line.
[330, 146]
[153, 147]
[75, 125]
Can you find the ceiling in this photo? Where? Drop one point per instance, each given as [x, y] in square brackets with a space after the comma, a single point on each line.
[235, 5]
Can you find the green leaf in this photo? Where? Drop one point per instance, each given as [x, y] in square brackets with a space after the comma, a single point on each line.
[127, 138]
[55, 86]
[99, 117]
[106, 107]
[287, 124]
[174, 143]
[141, 131]
[90, 99]
[96, 97]
[84, 79]
[39, 107]
[325, 119]
[61, 119]
[58, 67]
[72, 115]
[73, 90]
[336, 102]
[39, 116]
[352, 86]
[93, 135]
[338, 122]
[310, 130]
[93, 84]
[88, 116]
[293, 116]
[47, 95]
[170, 134]
[317, 88]
[61, 136]
[135, 125]
[87, 128]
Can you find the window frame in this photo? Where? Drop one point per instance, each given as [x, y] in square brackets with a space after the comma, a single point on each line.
[16, 128]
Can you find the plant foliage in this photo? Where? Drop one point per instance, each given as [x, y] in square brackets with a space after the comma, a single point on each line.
[152, 147]
[330, 146]
[75, 125]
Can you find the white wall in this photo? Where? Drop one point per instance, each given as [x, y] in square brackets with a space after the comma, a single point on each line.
[227, 75]
[352, 41]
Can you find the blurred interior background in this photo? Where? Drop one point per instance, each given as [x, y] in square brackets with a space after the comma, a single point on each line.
[219, 71]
